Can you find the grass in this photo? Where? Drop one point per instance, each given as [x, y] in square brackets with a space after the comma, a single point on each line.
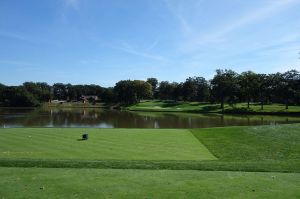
[171, 106]
[151, 163]
[273, 142]
[107, 183]
[259, 148]
[103, 144]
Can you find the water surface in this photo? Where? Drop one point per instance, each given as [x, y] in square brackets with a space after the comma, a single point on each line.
[100, 118]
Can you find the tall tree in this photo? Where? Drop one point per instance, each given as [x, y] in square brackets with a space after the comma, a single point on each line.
[142, 89]
[248, 82]
[224, 86]
[18, 96]
[291, 85]
[59, 91]
[40, 90]
[166, 90]
[154, 82]
[130, 92]
[195, 89]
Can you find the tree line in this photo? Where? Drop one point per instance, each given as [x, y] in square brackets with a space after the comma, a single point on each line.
[226, 86]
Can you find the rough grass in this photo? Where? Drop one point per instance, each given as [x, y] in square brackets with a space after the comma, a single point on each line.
[107, 183]
[103, 144]
[273, 142]
[171, 106]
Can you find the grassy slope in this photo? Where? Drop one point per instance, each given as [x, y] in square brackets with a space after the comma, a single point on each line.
[98, 183]
[103, 144]
[165, 106]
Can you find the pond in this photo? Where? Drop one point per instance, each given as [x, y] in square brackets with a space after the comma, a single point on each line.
[101, 118]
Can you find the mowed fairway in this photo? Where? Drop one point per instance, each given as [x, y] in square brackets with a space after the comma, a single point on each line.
[117, 183]
[151, 163]
[103, 144]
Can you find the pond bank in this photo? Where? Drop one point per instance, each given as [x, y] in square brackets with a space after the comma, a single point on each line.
[198, 107]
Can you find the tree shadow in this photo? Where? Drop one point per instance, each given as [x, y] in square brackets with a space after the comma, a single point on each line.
[210, 107]
[170, 104]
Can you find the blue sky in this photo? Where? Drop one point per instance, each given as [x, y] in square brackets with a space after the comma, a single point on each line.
[103, 41]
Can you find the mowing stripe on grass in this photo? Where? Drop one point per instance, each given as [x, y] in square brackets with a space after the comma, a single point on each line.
[103, 144]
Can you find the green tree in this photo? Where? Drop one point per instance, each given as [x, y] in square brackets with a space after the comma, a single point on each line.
[18, 96]
[130, 92]
[108, 95]
[224, 86]
[154, 82]
[248, 82]
[40, 90]
[290, 86]
[142, 89]
[195, 89]
[60, 91]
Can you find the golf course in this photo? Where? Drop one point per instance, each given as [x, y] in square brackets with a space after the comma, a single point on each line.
[224, 162]
[201, 107]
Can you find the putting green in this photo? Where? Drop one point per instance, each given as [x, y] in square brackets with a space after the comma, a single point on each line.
[103, 144]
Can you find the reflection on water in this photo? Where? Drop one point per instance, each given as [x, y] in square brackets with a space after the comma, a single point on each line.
[54, 117]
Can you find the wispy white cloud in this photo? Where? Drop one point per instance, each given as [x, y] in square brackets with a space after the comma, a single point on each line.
[75, 4]
[153, 45]
[24, 38]
[90, 61]
[17, 63]
[195, 39]
[125, 47]
[14, 36]
[20, 66]
[251, 17]
[177, 11]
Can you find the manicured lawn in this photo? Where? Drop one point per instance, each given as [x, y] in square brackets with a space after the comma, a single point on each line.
[273, 142]
[169, 106]
[103, 144]
[257, 148]
[151, 163]
[108, 183]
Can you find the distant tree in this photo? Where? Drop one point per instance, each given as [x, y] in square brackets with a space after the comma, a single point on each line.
[177, 91]
[248, 82]
[130, 92]
[40, 90]
[195, 89]
[70, 92]
[154, 83]
[224, 86]
[2, 88]
[264, 88]
[143, 89]
[165, 90]
[18, 96]
[60, 91]
[125, 92]
[290, 86]
[108, 95]
[190, 89]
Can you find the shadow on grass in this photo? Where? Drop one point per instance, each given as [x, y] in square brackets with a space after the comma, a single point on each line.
[211, 107]
[213, 165]
[170, 104]
[198, 103]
